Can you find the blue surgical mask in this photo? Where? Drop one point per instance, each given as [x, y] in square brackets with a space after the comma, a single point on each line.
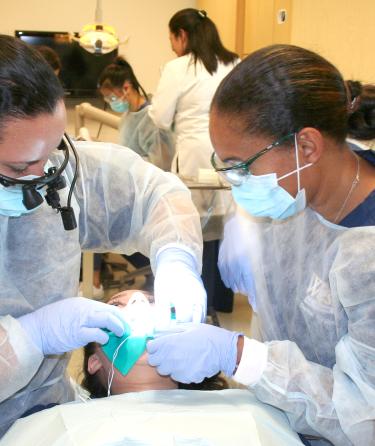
[119, 106]
[262, 196]
[11, 197]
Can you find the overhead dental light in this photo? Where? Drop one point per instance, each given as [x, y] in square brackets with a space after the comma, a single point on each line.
[98, 38]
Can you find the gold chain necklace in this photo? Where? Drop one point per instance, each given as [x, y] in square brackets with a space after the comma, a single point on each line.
[352, 187]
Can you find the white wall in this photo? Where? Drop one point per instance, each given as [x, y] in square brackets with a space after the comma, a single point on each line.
[340, 30]
[144, 21]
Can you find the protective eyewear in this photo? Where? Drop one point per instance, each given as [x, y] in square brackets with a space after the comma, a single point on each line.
[53, 181]
[236, 173]
[110, 98]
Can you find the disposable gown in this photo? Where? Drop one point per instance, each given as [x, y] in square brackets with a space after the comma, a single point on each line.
[314, 285]
[139, 133]
[229, 417]
[122, 204]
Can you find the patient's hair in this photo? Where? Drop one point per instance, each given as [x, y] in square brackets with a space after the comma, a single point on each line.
[97, 390]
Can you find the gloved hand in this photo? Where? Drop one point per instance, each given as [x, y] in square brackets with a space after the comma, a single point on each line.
[234, 259]
[71, 323]
[178, 284]
[195, 354]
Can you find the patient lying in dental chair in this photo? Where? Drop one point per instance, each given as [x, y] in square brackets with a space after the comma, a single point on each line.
[98, 370]
[146, 409]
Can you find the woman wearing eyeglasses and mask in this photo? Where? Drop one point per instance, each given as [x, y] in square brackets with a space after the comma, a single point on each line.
[301, 246]
[124, 94]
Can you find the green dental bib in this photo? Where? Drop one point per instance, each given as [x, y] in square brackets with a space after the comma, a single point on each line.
[129, 352]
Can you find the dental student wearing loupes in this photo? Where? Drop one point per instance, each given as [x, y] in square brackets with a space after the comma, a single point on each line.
[53, 206]
[301, 247]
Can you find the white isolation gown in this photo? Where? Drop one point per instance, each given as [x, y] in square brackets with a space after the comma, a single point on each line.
[314, 287]
[122, 204]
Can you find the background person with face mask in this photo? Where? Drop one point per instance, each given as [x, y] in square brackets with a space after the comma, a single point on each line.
[301, 247]
[120, 203]
[124, 94]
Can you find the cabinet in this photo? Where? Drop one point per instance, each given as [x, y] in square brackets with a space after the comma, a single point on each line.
[246, 25]
[266, 22]
[336, 29]
[224, 14]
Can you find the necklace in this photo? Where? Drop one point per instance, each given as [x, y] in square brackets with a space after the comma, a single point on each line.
[352, 187]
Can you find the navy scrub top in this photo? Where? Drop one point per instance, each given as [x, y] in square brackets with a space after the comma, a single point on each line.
[363, 214]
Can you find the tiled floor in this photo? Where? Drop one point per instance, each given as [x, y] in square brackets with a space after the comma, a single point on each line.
[241, 319]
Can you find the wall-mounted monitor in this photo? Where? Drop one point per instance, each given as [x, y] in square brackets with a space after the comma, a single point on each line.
[80, 69]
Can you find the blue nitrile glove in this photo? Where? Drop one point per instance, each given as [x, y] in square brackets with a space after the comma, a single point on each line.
[71, 323]
[234, 262]
[195, 354]
[178, 284]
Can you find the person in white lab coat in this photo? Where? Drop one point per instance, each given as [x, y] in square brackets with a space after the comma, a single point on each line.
[182, 102]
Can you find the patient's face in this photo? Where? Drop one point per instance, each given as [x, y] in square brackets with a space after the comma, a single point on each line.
[140, 377]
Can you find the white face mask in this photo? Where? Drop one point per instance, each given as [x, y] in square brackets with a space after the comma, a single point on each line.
[139, 315]
[262, 196]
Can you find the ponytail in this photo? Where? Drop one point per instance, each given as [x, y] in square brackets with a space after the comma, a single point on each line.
[118, 72]
[203, 38]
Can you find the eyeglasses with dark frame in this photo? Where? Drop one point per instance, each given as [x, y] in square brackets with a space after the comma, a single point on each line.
[237, 173]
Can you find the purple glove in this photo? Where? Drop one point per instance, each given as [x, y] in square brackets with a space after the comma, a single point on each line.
[234, 257]
[178, 284]
[195, 354]
[71, 323]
